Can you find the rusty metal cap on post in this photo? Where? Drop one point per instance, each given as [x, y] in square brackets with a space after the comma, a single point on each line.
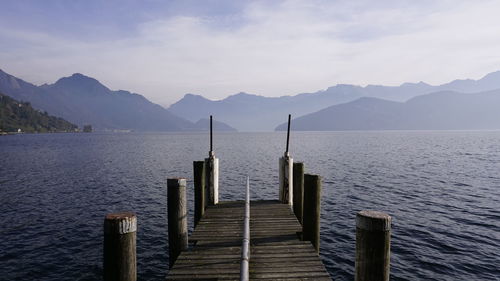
[373, 221]
[120, 223]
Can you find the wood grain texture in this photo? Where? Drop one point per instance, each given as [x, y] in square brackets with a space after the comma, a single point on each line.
[373, 246]
[119, 261]
[177, 218]
[312, 210]
[298, 189]
[276, 253]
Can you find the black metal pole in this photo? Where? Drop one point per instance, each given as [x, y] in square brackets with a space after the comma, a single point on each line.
[288, 133]
[211, 145]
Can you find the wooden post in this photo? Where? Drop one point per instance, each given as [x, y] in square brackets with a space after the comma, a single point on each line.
[199, 190]
[177, 218]
[298, 189]
[212, 179]
[120, 262]
[286, 179]
[312, 209]
[373, 246]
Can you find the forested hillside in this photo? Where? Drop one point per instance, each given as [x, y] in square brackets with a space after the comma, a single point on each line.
[15, 115]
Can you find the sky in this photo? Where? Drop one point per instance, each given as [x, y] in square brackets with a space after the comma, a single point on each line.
[165, 49]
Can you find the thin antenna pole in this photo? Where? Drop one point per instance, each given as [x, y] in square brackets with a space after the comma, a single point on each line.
[211, 138]
[288, 133]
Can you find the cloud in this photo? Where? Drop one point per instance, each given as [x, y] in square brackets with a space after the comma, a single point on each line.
[284, 48]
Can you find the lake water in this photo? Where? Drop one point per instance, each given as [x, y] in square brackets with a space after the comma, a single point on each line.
[441, 188]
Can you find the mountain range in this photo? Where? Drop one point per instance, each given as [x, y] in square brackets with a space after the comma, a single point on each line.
[84, 100]
[446, 110]
[460, 104]
[249, 112]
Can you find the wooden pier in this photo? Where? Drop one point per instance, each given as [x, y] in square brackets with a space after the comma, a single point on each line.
[247, 240]
[276, 249]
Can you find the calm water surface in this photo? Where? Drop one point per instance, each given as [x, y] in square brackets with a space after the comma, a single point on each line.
[441, 188]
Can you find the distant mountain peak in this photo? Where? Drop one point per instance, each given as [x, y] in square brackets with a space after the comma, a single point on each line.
[81, 82]
[193, 96]
[340, 86]
[241, 96]
[84, 100]
[409, 84]
[80, 77]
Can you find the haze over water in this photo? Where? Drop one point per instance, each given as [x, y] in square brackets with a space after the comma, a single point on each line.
[441, 188]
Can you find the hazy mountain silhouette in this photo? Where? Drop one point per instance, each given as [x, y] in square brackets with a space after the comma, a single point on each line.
[84, 100]
[249, 112]
[204, 125]
[436, 111]
[253, 113]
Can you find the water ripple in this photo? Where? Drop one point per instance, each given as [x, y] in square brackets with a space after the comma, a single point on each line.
[441, 188]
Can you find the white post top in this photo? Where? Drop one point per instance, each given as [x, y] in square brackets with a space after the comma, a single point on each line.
[120, 223]
[286, 154]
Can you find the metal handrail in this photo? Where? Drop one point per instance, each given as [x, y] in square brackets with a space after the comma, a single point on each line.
[245, 248]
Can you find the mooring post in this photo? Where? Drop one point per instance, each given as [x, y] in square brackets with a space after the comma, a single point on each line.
[312, 210]
[286, 173]
[212, 173]
[298, 189]
[177, 218]
[373, 246]
[199, 190]
[120, 262]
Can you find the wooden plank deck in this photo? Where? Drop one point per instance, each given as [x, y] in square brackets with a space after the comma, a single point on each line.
[276, 253]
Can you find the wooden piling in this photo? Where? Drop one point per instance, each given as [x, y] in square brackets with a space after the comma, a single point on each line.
[177, 218]
[373, 246]
[120, 262]
[286, 179]
[312, 210]
[199, 190]
[298, 189]
[212, 179]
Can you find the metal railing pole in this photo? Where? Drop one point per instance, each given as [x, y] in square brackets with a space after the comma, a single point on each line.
[245, 249]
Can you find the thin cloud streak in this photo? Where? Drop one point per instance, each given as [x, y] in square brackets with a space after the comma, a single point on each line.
[291, 47]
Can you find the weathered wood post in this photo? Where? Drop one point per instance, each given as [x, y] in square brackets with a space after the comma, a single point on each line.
[286, 173]
[212, 173]
[373, 246]
[298, 189]
[199, 190]
[177, 218]
[120, 262]
[312, 210]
